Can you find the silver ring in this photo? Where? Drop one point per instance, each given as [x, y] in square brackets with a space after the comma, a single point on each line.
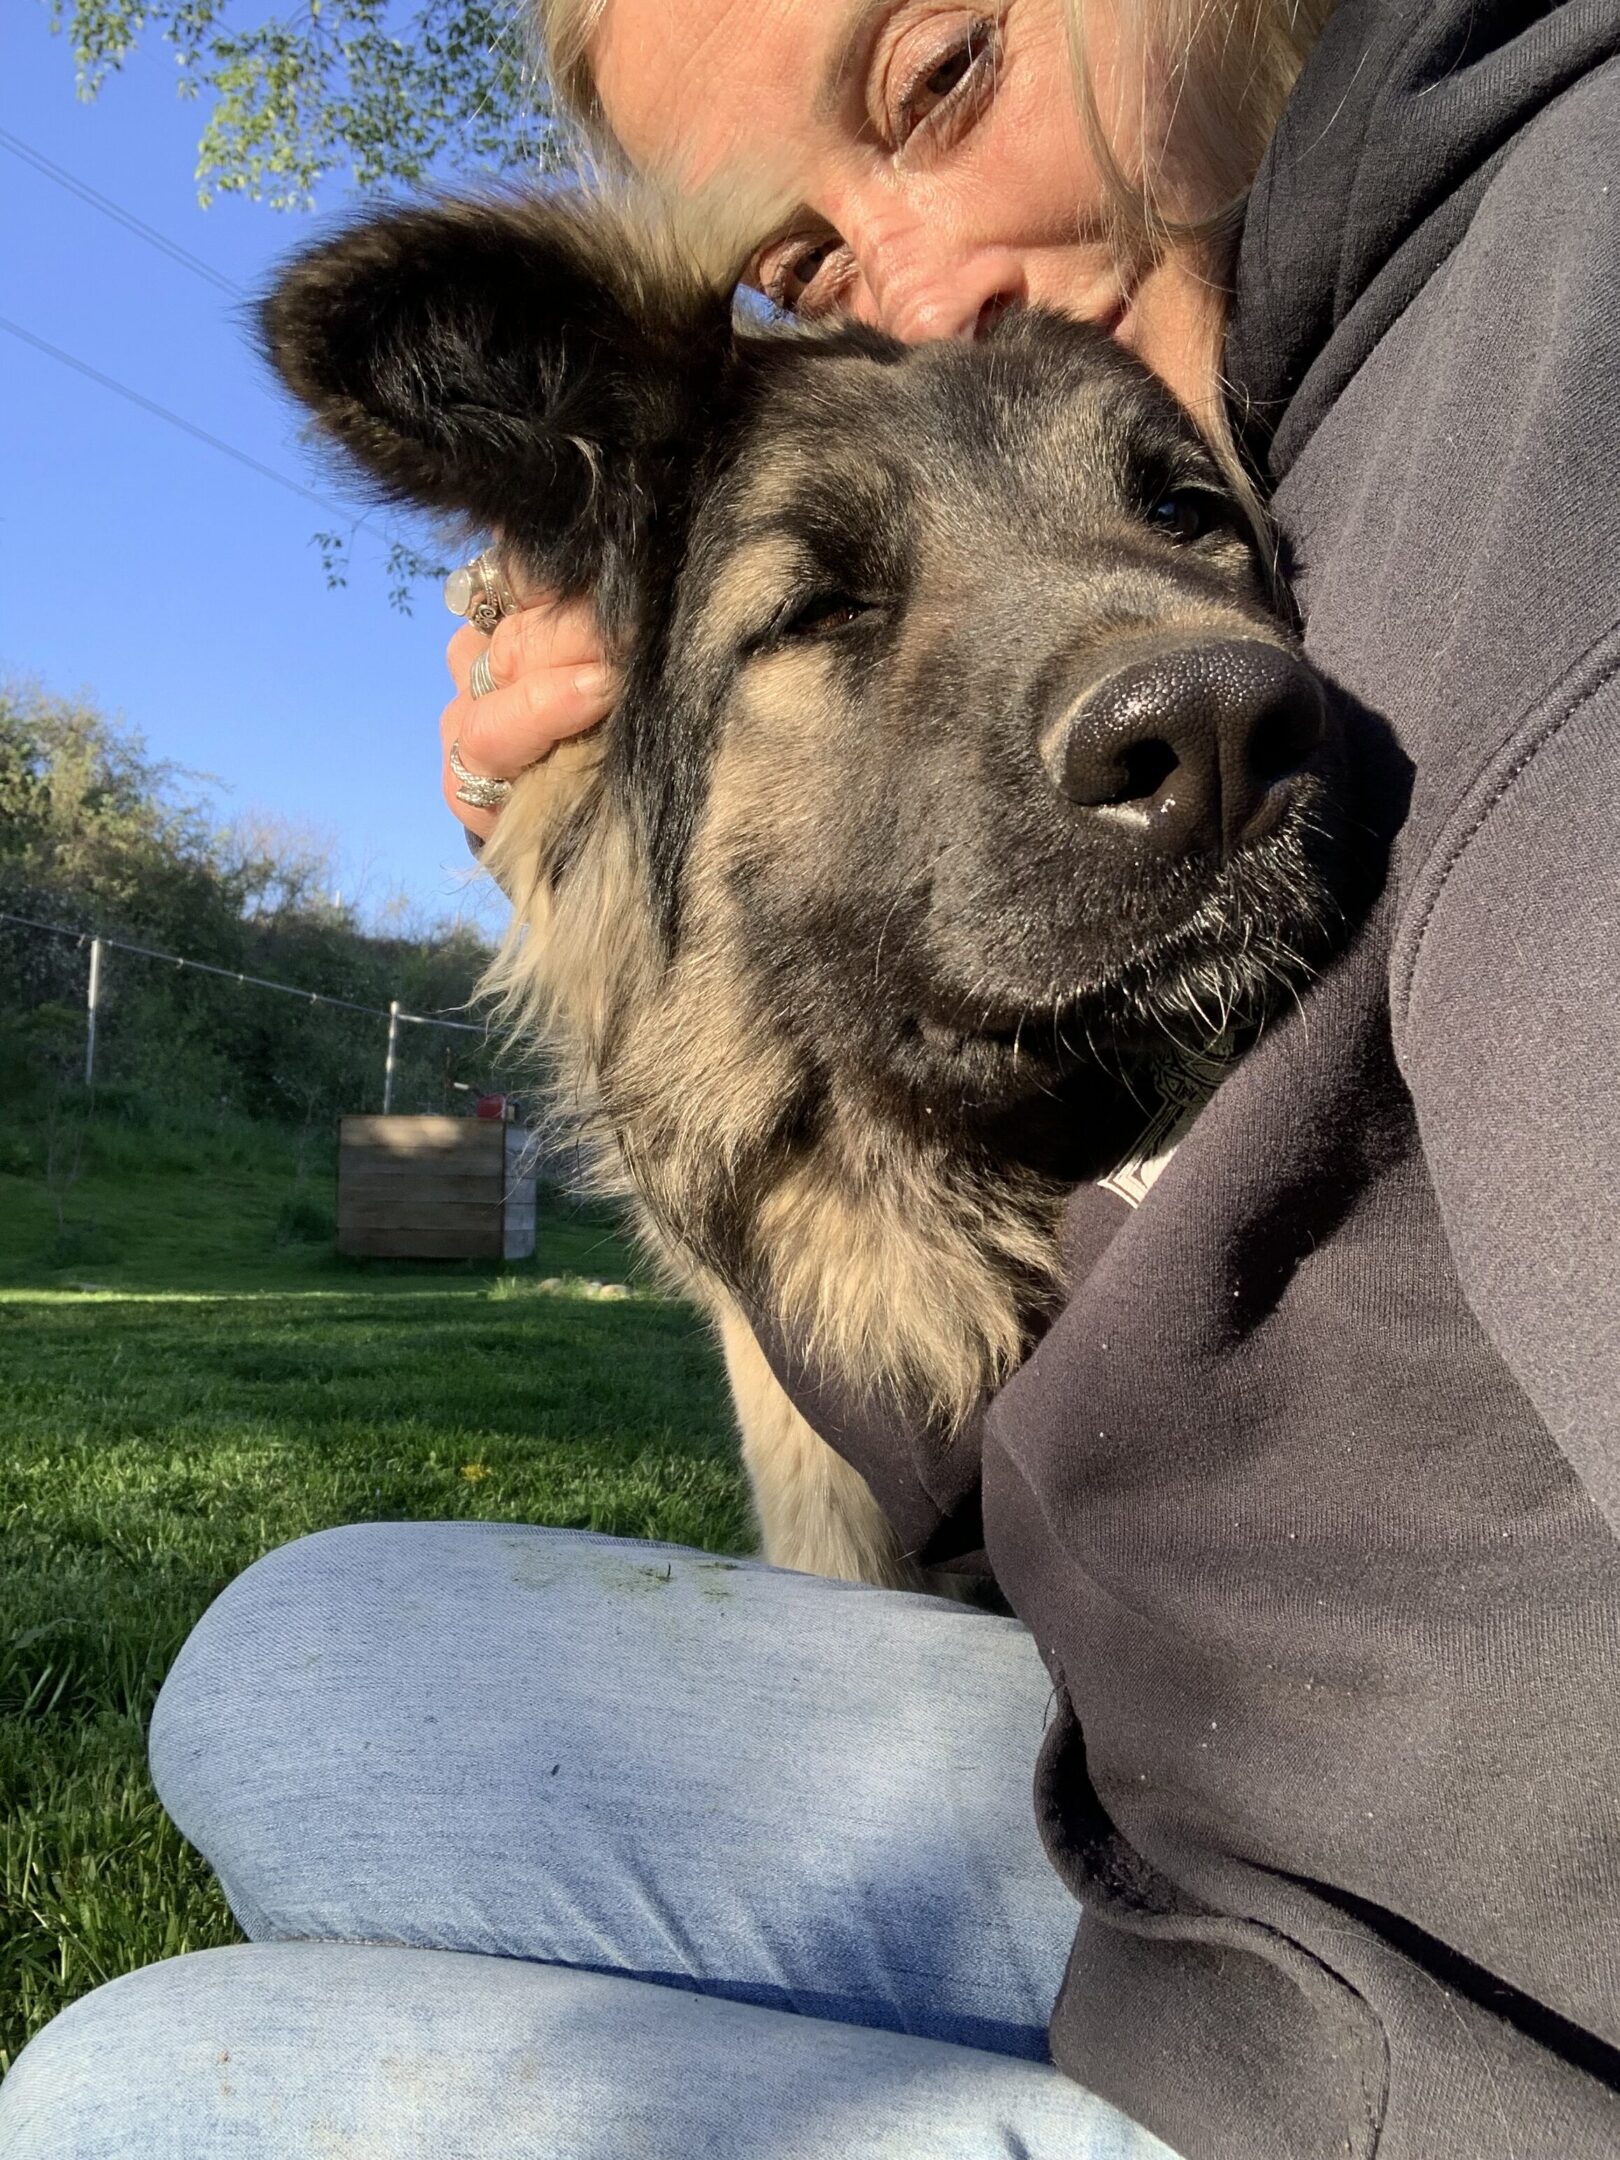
[477, 790]
[480, 682]
[479, 592]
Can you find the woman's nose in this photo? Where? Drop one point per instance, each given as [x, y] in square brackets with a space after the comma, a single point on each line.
[933, 296]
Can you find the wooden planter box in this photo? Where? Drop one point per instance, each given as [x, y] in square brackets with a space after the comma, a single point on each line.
[433, 1188]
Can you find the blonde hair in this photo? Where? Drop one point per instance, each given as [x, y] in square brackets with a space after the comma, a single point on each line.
[1222, 70]
[566, 28]
[1224, 67]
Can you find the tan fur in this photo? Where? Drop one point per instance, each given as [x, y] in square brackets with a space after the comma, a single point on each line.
[874, 1256]
[756, 570]
[780, 924]
[894, 1276]
[815, 1513]
[910, 1269]
[888, 1263]
[562, 965]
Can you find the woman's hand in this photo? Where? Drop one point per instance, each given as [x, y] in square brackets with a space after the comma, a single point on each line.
[551, 680]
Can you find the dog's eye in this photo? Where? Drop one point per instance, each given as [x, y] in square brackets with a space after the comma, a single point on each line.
[1188, 514]
[819, 613]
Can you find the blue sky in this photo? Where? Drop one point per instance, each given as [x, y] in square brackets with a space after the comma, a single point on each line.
[142, 567]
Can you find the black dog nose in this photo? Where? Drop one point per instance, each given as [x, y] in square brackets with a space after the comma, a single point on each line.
[1193, 743]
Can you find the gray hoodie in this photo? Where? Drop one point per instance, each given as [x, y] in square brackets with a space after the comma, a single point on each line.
[1310, 1495]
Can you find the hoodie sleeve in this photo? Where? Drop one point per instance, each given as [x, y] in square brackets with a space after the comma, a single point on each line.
[1508, 1031]
[1506, 974]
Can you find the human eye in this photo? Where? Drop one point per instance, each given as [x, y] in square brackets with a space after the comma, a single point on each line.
[937, 82]
[804, 277]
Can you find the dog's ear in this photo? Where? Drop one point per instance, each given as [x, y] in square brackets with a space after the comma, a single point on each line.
[541, 368]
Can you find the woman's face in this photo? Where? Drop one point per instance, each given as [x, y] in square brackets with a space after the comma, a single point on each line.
[934, 149]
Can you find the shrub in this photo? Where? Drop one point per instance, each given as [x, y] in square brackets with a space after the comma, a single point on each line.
[98, 836]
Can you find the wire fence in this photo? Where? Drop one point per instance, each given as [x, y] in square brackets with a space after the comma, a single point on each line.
[395, 1013]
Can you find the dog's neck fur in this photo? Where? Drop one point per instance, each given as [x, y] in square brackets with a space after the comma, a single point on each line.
[908, 1270]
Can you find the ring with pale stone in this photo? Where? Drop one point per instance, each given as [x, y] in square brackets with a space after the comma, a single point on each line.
[479, 592]
[477, 790]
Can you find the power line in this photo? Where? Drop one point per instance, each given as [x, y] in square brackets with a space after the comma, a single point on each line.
[214, 442]
[252, 982]
[216, 278]
[174, 419]
[121, 216]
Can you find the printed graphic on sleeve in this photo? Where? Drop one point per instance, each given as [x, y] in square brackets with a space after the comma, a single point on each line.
[1184, 1081]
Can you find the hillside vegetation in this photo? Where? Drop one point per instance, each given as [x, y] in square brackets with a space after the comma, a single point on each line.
[99, 837]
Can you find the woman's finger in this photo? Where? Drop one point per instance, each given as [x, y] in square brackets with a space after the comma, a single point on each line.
[548, 636]
[557, 635]
[507, 730]
[551, 680]
[522, 723]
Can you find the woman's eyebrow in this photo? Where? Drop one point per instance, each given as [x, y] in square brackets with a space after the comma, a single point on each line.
[849, 56]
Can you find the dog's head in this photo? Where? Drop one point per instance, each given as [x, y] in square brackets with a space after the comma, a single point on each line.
[954, 699]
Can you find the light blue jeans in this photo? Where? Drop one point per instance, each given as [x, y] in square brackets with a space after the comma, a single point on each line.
[558, 1847]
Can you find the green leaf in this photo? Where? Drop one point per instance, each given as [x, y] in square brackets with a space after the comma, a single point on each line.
[382, 93]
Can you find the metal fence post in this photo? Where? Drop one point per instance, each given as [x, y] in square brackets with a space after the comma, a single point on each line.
[393, 1044]
[91, 1002]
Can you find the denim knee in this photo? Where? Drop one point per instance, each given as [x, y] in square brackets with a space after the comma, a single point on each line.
[298, 2049]
[307, 1638]
[308, 1700]
[245, 1720]
[217, 1706]
[99, 2082]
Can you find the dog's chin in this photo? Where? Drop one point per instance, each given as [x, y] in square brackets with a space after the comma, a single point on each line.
[1216, 967]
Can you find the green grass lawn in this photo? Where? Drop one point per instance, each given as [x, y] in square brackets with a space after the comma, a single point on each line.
[182, 1390]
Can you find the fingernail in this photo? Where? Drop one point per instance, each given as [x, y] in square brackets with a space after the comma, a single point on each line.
[593, 682]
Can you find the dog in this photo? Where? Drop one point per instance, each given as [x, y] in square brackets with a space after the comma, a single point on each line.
[963, 757]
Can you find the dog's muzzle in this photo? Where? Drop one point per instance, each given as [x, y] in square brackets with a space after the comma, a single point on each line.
[1189, 749]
